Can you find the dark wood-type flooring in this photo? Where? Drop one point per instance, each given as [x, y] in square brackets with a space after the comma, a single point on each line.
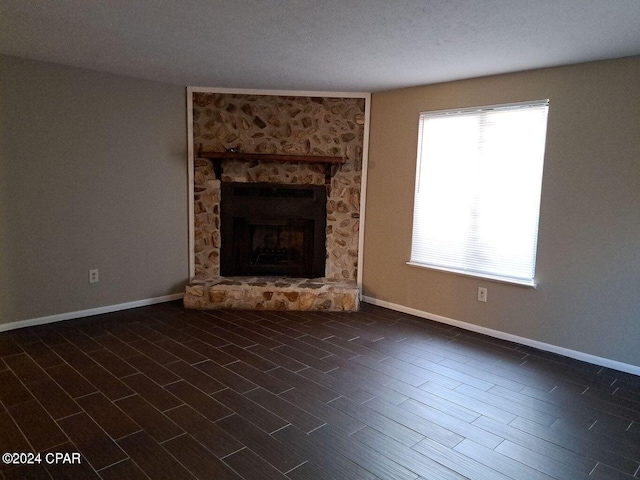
[164, 393]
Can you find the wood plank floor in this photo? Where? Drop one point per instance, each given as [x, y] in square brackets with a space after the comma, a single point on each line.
[165, 393]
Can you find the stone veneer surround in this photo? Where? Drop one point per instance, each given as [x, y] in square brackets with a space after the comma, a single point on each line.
[280, 125]
[287, 125]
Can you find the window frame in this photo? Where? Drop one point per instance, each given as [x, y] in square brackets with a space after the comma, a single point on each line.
[419, 171]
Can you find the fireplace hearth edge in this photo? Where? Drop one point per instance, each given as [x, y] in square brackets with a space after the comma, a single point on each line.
[272, 293]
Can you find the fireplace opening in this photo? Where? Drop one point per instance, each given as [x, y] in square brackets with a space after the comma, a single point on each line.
[272, 229]
[273, 246]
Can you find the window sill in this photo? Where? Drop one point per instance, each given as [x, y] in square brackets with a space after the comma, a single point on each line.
[510, 281]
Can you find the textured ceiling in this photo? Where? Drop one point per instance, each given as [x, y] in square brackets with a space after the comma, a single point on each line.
[334, 45]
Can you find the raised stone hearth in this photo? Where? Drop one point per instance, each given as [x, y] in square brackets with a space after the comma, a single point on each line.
[272, 293]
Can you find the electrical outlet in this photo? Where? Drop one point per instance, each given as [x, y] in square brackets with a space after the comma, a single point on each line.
[93, 276]
[482, 294]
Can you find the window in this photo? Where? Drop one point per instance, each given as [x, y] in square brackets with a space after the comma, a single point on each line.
[478, 184]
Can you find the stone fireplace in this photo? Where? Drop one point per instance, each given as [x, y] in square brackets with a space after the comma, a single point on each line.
[274, 270]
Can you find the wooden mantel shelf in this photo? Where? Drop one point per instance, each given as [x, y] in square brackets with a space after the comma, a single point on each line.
[217, 157]
[268, 157]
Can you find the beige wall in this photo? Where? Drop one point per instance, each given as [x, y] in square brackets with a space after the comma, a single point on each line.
[93, 174]
[588, 264]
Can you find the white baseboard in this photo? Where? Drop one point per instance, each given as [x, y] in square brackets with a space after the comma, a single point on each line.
[585, 357]
[87, 313]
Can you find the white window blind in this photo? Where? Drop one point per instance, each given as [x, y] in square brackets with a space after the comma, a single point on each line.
[478, 185]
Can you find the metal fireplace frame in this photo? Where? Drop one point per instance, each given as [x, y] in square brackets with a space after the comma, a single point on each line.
[281, 204]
